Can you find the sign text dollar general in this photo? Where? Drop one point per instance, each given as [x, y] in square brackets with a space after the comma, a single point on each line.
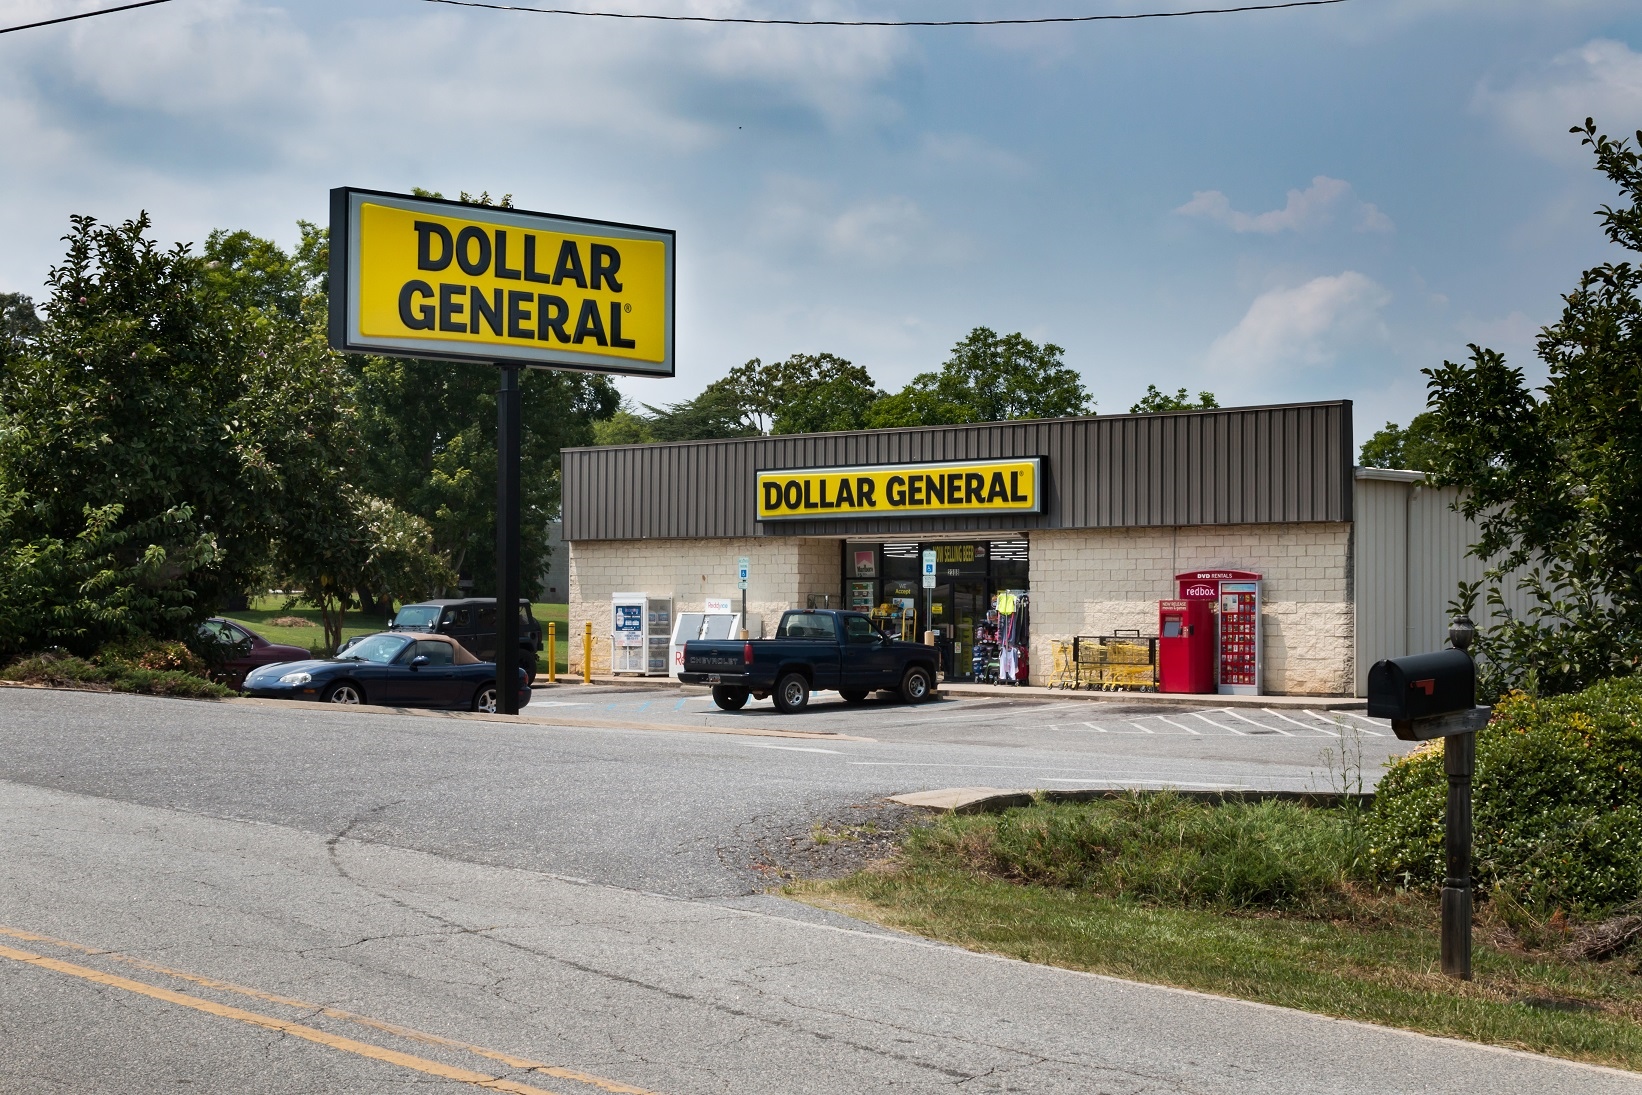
[901, 490]
[422, 277]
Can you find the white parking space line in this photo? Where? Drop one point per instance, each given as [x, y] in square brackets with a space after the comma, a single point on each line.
[1216, 725]
[1189, 729]
[1378, 726]
[1251, 722]
[1301, 725]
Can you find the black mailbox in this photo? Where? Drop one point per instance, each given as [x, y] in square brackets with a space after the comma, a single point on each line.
[1422, 686]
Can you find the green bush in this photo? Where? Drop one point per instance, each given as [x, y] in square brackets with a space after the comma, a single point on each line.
[1162, 849]
[1557, 799]
[134, 667]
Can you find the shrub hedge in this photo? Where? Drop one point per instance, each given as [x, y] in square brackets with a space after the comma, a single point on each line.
[1557, 800]
[148, 666]
[1159, 848]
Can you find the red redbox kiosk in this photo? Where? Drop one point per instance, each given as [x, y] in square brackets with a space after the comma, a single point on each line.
[1185, 646]
[1237, 641]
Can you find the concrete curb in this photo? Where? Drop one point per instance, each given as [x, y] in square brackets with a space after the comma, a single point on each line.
[1167, 699]
[992, 800]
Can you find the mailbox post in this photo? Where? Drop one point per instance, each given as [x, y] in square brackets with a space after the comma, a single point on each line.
[1459, 759]
[1430, 696]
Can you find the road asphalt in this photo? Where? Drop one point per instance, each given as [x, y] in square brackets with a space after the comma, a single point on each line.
[246, 898]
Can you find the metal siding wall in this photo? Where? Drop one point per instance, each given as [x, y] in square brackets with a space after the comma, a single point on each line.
[1409, 556]
[1380, 573]
[1238, 466]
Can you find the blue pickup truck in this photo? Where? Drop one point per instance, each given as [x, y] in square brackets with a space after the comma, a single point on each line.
[813, 649]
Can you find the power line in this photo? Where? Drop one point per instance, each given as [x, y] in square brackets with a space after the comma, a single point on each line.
[83, 15]
[889, 22]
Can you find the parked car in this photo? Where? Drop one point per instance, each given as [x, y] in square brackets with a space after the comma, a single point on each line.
[244, 650]
[813, 649]
[390, 669]
[471, 621]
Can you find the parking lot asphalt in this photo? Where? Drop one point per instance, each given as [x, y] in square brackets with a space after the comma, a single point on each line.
[675, 812]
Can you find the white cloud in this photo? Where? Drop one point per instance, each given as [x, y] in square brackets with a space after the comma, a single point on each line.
[1308, 324]
[875, 231]
[1315, 207]
[1601, 79]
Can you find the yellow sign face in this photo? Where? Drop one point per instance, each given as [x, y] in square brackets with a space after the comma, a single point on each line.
[429, 278]
[901, 490]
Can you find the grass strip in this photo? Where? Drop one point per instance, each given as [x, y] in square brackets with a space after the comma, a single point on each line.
[1342, 949]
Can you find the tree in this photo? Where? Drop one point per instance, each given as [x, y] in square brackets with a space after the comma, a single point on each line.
[806, 393]
[428, 444]
[19, 325]
[987, 378]
[185, 436]
[1555, 480]
[625, 427]
[1156, 402]
[720, 410]
[1410, 449]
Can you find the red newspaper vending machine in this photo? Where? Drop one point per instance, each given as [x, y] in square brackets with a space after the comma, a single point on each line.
[1237, 648]
[1185, 646]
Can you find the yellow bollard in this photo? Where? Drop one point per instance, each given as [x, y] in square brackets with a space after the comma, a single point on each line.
[552, 653]
[587, 653]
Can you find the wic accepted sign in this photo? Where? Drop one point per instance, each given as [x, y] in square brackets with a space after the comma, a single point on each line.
[901, 490]
[423, 277]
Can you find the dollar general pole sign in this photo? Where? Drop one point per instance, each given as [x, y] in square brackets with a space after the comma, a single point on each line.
[423, 277]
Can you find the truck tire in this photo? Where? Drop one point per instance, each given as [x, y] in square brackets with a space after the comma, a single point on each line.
[729, 699]
[792, 693]
[853, 695]
[916, 685]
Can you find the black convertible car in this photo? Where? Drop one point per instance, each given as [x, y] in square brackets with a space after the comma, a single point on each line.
[392, 670]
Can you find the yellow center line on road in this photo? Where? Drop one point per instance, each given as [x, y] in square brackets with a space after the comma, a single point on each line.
[312, 1034]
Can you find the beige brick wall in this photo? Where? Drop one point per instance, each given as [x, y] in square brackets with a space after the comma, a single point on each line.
[1092, 581]
[784, 574]
[1084, 582]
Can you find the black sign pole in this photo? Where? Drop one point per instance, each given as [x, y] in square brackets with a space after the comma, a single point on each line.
[507, 541]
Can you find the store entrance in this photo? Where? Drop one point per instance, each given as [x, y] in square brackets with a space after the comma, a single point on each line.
[886, 580]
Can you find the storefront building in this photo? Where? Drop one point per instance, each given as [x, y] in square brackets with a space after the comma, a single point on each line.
[1090, 518]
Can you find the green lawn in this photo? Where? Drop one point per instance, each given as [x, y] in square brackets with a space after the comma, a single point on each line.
[263, 610]
[1146, 897]
[1377, 972]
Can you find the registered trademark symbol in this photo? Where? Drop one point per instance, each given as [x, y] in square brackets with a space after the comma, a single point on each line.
[627, 307]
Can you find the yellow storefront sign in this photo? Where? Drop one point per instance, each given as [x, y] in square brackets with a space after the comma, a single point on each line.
[901, 490]
[429, 278]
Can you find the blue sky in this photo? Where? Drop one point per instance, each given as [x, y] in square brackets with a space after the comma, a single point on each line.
[1309, 204]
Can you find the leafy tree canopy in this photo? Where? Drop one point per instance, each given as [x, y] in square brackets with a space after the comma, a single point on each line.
[1410, 449]
[1555, 479]
[154, 430]
[1156, 402]
[19, 324]
[987, 378]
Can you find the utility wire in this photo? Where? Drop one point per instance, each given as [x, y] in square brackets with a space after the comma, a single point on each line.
[888, 22]
[83, 15]
[776, 22]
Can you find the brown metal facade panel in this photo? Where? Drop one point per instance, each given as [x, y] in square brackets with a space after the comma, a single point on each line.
[1247, 465]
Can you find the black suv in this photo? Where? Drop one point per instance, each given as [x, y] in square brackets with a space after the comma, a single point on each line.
[471, 621]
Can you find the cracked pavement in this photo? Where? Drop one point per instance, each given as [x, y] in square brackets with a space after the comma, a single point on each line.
[577, 903]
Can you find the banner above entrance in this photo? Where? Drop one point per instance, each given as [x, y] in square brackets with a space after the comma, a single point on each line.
[902, 490]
